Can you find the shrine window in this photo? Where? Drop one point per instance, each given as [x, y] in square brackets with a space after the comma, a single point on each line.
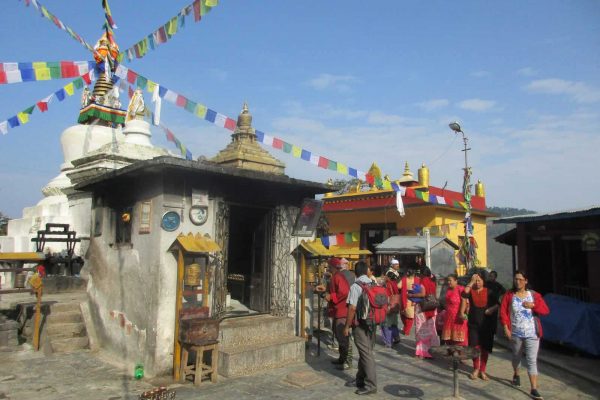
[124, 221]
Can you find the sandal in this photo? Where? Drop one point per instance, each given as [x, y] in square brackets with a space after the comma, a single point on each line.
[474, 375]
[484, 376]
[516, 380]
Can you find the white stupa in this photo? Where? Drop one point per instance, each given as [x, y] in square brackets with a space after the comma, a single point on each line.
[99, 143]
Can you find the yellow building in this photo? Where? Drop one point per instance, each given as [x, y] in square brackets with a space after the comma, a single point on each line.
[373, 212]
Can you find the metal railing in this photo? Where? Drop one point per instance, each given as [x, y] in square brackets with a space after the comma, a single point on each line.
[576, 292]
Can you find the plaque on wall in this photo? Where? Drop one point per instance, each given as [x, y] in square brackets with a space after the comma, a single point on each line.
[170, 221]
[145, 216]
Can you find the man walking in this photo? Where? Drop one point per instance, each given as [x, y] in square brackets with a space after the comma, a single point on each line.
[337, 297]
[364, 335]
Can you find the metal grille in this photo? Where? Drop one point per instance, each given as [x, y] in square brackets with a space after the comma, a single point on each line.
[220, 261]
[282, 261]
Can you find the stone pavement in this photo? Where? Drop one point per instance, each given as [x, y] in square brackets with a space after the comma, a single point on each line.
[83, 375]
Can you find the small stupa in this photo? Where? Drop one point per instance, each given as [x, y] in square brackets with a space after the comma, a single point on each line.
[244, 151]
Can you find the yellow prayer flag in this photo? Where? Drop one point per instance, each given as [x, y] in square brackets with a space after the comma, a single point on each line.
[355, 236]
[23, 117]
[342, 168]
[212, 3]
[45, 12]
[425, 196]
[296, 151]
[172, 26]
[200, 110]
[387, 184]
[69, 89]
[42, 74]
[150, 86]
[38, 64]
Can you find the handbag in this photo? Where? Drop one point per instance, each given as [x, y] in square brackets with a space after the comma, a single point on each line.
[430, 302]
[394, 303]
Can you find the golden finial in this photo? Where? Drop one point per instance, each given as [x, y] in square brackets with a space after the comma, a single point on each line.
[479, 189]
[245, 118]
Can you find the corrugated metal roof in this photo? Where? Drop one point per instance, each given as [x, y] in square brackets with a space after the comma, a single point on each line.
[564, 214]
[410, 244]
[196, 244]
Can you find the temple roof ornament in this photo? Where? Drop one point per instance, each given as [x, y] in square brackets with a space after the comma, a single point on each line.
[244, 151]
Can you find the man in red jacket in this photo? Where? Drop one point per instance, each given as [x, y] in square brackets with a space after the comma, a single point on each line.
[337, 296]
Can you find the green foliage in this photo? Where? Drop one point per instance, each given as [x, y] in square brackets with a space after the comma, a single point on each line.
[3, 223]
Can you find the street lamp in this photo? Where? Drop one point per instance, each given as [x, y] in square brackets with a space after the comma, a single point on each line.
[467, 249]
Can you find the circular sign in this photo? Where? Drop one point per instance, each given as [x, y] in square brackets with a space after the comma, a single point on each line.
[198, 214]
[170, 221]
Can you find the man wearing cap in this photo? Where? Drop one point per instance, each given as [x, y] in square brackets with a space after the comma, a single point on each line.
[337, 296]
[389, 328]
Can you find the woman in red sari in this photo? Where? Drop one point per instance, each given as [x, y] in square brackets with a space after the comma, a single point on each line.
[455, 326]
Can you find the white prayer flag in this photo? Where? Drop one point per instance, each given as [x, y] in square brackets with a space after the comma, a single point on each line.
[314, 159]
[13, 76]
[399, 203]
[157, 104]
[220, 120]
[268, 140]
[440, 199]
[171, 96]
[4, 127]
[332, 240]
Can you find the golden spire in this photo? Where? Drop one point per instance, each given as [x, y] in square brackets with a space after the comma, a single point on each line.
[245, 118]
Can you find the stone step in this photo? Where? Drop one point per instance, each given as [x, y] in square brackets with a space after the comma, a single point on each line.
[246, 330]
[64, 317]
[67, 345]
[65, 307]
[250, 359]
[66, 330]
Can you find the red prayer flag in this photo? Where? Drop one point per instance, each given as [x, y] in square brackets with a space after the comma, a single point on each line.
[410, 193]
[170, 136]
[162, 35]
[196, 7]
[42, 105]
[68, 69]
[2, 77]
[131, 76]
[230, 124]
[340, 238]
[370, 179]
[130, 92]
[86, 78]
[181, 101]
[323, 162]
[277, 143]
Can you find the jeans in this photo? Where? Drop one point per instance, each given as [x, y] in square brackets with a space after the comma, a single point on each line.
[530, 347]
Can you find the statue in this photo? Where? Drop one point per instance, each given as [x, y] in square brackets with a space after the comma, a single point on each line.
[136, 107]
[86, 97]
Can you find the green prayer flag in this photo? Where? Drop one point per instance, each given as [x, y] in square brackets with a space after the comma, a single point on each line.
[78, 83]
[29, 110]
[348, 237]
[332, 165]
[287, 148]
[142, 82]
[190, 106]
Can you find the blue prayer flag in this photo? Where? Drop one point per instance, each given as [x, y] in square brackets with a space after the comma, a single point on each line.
[27, 75]
[13, 122]
[162, 91]
[325, 241]
[60, 94]
[352, 172]
[260, 136]
[305, 155]
[210, 115]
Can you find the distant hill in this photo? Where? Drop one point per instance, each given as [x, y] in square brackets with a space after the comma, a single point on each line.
[500, 255]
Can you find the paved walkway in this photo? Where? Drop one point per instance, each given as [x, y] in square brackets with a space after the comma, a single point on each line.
[82, 375]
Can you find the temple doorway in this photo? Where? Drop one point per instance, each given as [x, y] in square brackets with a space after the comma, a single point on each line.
[248, 279]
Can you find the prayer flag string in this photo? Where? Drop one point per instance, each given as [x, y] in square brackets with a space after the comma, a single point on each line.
[17, 72]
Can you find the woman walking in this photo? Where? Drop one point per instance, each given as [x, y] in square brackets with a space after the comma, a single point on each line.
[454, 330]
[389, 327]
[425, 332]
[481, 304]
[518, 312]
[407, 307]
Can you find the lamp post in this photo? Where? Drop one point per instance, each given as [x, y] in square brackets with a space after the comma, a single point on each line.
[467, 248]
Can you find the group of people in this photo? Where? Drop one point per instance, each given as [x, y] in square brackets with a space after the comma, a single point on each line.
[468, 317]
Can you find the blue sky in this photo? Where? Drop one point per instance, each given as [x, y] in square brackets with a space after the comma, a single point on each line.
[356, 82]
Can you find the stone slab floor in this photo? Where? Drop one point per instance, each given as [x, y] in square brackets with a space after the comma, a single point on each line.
[83, 375]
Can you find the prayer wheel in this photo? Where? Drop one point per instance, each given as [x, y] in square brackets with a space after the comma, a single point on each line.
[20, 281]
[192, 274]
[311, 273]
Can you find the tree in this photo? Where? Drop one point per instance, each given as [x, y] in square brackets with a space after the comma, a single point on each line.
[3, 223]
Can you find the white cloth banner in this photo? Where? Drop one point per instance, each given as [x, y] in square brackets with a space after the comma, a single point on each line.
[4, 127]
[157, 104]
[399, 203]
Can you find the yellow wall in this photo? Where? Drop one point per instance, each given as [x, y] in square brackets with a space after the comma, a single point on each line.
[416, 217]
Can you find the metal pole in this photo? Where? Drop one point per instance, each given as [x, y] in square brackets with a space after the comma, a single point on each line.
[427, 247]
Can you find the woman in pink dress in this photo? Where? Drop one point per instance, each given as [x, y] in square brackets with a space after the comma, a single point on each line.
[425, 333]
[455, 326]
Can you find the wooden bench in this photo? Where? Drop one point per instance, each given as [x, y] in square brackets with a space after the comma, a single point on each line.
[199, 369]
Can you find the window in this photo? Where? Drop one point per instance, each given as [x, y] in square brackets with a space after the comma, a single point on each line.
[124, 222]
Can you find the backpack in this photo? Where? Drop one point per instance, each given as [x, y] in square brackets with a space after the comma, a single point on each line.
[372, 304]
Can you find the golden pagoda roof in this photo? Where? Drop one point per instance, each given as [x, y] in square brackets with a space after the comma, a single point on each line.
[244, 151]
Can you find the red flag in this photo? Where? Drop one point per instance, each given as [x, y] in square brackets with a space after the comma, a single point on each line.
[42, 105]
[197, 15]
[323, 162]
[340, 238]
[68, 69]
[130, 92]
[131, 76]
[277, 143]
[87, 78]
[370, 179]
[170, 136]
[2, 77]
[230, 124]
[181, 101]
[162, 35]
